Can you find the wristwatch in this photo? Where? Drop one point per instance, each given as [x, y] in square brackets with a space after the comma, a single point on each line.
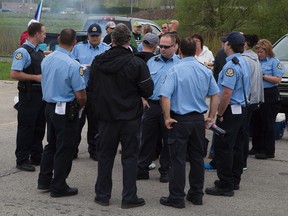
[220, 117]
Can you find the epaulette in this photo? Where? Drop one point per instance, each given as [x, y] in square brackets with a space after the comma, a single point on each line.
[84, 42]
[235, 60]
[157, 57]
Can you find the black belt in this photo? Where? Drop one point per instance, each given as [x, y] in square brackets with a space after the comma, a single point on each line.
[187, 114]
[53, 104]
[154, 101]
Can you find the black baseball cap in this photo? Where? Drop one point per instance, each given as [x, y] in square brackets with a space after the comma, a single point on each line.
[94, 29]
[234, 38]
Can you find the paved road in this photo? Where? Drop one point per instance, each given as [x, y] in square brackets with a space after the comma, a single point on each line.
[264, 186]
[6, 58]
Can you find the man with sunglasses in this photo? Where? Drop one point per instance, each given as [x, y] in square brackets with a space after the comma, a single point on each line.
[152, 127]
[164, 30]
[109, 29]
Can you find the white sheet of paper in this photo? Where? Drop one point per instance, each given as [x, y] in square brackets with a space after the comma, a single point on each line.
[60, 108]
[236, 109]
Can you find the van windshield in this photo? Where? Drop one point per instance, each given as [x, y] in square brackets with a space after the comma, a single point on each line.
[280, 49]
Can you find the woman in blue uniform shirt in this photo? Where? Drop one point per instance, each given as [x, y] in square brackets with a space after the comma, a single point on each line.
[263, 119]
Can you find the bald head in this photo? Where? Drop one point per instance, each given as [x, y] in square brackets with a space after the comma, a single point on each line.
[173, 25]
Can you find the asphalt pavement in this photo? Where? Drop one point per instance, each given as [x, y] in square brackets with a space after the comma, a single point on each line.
[263, 189]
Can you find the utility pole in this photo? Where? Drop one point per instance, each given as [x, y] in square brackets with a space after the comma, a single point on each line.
[131, 11]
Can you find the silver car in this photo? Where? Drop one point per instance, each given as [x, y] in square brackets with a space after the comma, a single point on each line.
[280, 49]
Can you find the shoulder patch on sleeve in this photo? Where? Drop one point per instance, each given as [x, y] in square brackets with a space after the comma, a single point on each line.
[19, 56]
[229, 72]
[279, 65]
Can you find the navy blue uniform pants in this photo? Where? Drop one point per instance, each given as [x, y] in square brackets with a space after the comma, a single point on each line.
[92, 129]
[228, 150]
[263, 120]
[186, 137]
[31, 127]
[153, 129]
[111, 133]
[251, 109]
[58, 153]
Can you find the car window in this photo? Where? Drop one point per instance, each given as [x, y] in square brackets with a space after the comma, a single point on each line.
[280, 49]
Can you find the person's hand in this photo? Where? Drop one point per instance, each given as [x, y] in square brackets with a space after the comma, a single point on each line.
[208, 122]
[37, 77]
[169, 122]
[145, 103]
[47, 52]
[210, 65]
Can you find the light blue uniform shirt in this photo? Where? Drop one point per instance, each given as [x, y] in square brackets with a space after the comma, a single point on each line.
[158, 69]
[187, 84]
[231, 77]
[61, 77]
[271, 67]
[21, 57]
[86, 53]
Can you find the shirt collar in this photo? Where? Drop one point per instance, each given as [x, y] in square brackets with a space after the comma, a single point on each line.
[36, 48]
[188, 58]
[91, 47]
[232, 56]
[171, 59]
[264, 59]
[60, 49]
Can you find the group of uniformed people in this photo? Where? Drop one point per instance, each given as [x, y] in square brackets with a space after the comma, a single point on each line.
[133, 103]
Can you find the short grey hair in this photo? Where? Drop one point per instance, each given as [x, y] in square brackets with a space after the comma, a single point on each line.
[121, 35]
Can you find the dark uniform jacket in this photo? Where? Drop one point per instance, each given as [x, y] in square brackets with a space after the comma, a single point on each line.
[117, 82]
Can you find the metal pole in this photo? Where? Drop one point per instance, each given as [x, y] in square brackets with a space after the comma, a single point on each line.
[131, 7]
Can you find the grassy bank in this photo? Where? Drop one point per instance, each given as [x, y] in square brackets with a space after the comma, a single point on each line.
[5, 67]
[12, 24]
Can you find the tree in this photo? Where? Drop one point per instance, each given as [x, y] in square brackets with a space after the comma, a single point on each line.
[214, 17]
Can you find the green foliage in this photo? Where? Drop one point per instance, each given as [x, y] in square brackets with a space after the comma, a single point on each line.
[213, 18]
[272, 20]
[5, 68]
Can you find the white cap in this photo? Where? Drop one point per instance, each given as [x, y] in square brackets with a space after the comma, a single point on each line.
[32, 21]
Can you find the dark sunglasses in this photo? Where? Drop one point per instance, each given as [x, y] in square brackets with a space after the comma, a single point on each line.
[165, 47]
[164, 27]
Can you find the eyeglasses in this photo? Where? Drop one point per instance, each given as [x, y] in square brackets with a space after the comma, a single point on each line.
[166, 47]
[164, 27]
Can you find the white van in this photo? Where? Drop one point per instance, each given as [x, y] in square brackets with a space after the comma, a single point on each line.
[129, 21]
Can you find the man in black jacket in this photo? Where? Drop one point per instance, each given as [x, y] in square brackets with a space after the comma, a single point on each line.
[117, 82]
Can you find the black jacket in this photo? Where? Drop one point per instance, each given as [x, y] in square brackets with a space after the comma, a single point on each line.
[117, 82]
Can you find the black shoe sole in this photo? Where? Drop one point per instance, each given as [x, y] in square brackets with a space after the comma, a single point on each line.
[132, 205]
[24, 169]
[220, 193]
[102, 203]
[43, 187]
[63, 194]
[127, 206]
[194, 201]
[217, 182]
[179, 206]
